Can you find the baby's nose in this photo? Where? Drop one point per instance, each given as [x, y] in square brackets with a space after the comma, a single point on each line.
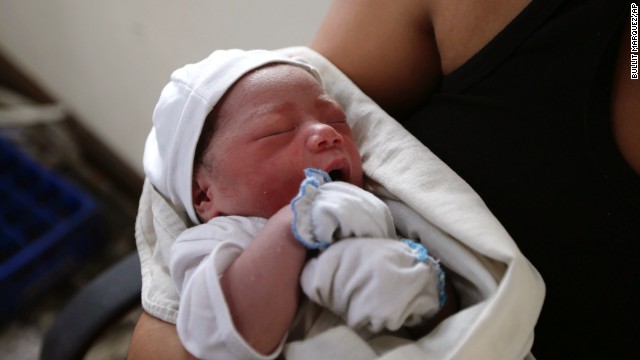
[323, 136]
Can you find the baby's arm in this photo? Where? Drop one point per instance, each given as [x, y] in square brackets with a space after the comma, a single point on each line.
[238, 283]
[261, 285]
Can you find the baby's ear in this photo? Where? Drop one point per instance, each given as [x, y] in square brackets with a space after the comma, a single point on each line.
[202, 196]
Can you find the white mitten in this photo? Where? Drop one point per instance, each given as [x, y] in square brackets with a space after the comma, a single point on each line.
[376, 283]
[326, 211]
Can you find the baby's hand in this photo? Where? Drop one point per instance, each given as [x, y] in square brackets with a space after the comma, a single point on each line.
[376, 283]
[325, 212]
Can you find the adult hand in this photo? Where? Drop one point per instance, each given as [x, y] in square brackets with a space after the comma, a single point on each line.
[156, 339]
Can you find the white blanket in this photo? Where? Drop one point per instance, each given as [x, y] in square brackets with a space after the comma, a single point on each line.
[500, 291]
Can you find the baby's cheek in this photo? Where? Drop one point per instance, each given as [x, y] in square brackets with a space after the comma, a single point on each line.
[281, 195]
[267, 203]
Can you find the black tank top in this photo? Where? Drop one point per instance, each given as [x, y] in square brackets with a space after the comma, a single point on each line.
[526, 122]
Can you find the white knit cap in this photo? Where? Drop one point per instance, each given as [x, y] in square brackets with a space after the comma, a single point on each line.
[184, 104]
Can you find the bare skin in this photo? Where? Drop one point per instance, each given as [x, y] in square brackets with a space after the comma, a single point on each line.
[250, 280]
[155, 339]
[415, 43]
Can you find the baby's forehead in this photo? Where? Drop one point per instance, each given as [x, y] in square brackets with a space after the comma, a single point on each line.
[268, 83]
[276, 71]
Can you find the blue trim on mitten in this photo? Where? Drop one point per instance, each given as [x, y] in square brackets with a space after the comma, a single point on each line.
[314, 178]
[318, 174]
[421, 254]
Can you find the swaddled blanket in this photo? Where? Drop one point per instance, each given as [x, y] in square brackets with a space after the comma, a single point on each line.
[501, 293]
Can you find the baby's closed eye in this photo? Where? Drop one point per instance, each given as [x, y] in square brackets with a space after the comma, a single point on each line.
[275, 132]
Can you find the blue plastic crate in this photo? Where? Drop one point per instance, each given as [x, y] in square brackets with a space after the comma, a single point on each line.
[48, 228]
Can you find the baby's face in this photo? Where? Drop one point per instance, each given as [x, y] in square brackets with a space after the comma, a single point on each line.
[273, 124]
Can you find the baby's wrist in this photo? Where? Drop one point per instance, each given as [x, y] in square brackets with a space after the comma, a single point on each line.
[283, 219]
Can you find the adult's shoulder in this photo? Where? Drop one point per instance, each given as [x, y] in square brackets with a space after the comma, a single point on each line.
[463, 27]
[397, 51]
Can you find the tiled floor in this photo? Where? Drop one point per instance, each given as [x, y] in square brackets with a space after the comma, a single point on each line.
[54, 147]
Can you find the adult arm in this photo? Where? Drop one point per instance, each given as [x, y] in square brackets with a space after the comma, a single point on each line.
[397, 51]
[155, 339]
[387, 48]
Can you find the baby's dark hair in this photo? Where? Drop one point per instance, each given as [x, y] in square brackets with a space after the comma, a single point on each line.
[206, 136]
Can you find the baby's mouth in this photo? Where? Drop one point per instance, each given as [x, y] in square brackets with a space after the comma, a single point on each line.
[338, 170]
[336, 175]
